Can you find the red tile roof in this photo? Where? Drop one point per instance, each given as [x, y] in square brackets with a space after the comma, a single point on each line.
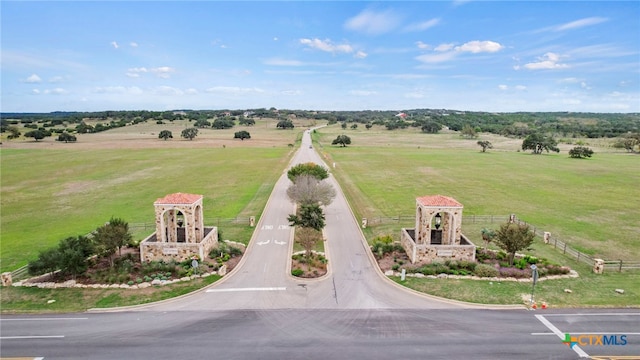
[179, 198]
[438, 200]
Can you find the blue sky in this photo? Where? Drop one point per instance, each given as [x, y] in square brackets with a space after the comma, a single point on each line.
[500, 56]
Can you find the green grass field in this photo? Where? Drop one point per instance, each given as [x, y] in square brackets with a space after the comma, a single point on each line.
[52, 190]
[593, 204]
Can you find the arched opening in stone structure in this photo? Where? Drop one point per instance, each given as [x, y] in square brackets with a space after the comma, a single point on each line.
[437, 229]
[173, 223]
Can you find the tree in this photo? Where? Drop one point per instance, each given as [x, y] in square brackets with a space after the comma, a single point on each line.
[165, 134]
[223, 123]
[487, 235]
[284, 124]
[512, 237]
[37, 134]
[309, 168]
[111, 237]
[246, 121]
[485, 144]
[202, 123]
[538, 142]
[343, 125]
[468, 131]
[431, 127]
[14, 133]
[189, 133]
[354, 126]
[307, 189]
[242, 135]
[74, 254]
[343, 140]
[309, 215]
[48, 261]
[368, 126]
[579, 152]
[308, 238]
[66, 137]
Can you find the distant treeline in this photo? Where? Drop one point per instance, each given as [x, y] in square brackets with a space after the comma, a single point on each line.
[519, 124]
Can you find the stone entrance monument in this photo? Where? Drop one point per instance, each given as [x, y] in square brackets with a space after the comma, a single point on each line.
[180, 233]
[437, 234]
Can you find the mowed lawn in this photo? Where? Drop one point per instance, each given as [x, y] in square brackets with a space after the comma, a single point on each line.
[594, 204]
[52, 190]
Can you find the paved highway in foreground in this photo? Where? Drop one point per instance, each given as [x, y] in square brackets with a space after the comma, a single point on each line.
[260, 311]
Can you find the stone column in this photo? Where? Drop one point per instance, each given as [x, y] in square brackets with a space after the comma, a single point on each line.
[598, 266]
[6, 279]
[546, 237]
[252, 221]
[364, 223]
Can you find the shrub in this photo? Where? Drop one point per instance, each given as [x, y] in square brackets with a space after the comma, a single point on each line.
[297, 272]
[395, 267]
[484, 270]
[514, 273]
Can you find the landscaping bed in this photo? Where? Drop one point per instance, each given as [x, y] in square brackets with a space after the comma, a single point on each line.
[313, 266]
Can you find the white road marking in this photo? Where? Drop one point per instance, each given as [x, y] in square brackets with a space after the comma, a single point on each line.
[31, 337]
[283, 227]
[595, 314]
[264, 242]
[249, 289]
[267, 227]
[279, 242]
[589, 333]
[559, 333]
[42, 319]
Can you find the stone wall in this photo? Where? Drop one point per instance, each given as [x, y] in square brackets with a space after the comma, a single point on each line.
[429, 253]
[152, 250]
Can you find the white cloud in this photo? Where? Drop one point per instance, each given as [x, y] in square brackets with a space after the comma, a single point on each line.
[436, 58]
[133, 44]
[422, 45]
[283, 62]
[234, 90]
[326, 45]
[163, 71]
[362, 92]
[35, 91]
[166, 90]
[34, 78]
[480, 46]
[421, 26]
[360, 55]
[191, 91]
[291, 92]
[132, 90]
[581, 23]
[373, 23]
[414, 95]
[56, 91]
[114, 44]
[503, 87]
[547, 61]
[56, 79]
[521, 87]
[444, 47]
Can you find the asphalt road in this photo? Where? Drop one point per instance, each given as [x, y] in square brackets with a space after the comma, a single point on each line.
[259, 311]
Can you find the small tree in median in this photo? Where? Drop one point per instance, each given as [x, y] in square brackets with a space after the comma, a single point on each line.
[309, 215]
[513, 237]
[307, 189]
[309, 168]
